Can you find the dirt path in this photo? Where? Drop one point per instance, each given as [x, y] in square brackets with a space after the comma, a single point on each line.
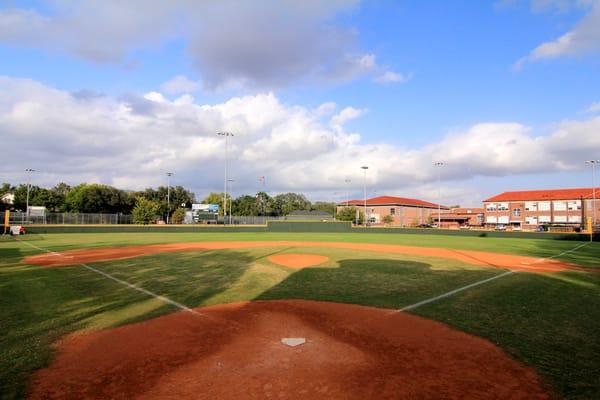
[239, 355]
[496, 260]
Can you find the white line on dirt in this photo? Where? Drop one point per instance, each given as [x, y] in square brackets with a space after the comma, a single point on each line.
[122, 282]
[450, 293]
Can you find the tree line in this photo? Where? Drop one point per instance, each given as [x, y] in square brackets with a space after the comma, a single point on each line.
[94, 198]
[98, 198]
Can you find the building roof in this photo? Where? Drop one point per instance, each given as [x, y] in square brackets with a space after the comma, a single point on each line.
[393, 201]
[470, 210]
[552, 194]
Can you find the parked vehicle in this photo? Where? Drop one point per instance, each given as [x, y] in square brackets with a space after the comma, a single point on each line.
[500, 227]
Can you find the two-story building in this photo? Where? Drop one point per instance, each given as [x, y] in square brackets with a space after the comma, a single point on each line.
[530, 209]
[404, 211]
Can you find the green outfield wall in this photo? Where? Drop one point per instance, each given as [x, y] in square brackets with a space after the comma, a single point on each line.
[300, 226]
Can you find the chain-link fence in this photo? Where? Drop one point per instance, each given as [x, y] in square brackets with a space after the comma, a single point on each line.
[21, 218]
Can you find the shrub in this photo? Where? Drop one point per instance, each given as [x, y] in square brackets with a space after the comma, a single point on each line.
[145, 211]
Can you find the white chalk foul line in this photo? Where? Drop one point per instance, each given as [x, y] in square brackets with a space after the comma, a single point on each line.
[452, 292]
[122, 282]
[539, 260]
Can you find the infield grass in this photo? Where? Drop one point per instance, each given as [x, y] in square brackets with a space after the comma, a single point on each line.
[549, 321]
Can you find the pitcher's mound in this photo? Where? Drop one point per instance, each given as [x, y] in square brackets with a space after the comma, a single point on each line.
[297, 260]
[235, 352]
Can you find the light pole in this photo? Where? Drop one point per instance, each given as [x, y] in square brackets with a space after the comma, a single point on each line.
[230, 198]
[29, 171]
[439, 165]
[169, 175]
[593, 164]
[347, 180]
[365, 168]
[226, 135]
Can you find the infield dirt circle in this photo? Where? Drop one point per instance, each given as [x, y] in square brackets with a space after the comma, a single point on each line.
[235, 352]
[297, 260]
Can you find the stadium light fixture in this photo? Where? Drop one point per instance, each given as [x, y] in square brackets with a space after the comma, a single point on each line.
[169, 175]
[226, 135]
[593, 163]
[439, 165]
[365, 168]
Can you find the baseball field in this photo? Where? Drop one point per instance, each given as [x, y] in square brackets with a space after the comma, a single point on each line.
[283, 315]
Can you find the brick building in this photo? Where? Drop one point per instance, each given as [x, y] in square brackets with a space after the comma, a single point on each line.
[404, 211]
[461, 217]
[533, 208]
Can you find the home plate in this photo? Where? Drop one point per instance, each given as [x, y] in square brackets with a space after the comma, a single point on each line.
[293, 342]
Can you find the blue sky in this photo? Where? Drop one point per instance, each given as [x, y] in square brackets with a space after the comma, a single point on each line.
[506, 93]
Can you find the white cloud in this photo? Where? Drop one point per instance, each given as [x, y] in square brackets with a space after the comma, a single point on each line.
[392, 77]
[593, 108]
[180, 84]
[583, 39]
[347, 114]
[131, 139]
[232, 44]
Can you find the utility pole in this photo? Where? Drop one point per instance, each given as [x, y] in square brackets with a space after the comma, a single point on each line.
[439, 224]
[226, 135]
[347, 180]
[169, 175]
[365, 168]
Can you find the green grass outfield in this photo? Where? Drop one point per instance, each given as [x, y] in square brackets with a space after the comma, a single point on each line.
[549, 321]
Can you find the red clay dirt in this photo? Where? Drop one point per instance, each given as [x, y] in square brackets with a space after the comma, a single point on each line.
[297, 260]
[495, 260]
[236, 353]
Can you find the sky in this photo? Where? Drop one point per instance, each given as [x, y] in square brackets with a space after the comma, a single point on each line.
[505, 93]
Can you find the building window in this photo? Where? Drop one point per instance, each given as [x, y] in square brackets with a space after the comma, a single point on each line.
[531, 206]
[491, 207]
[560, 206]
[574, 205]
[516, 212]
[392, 211]
[502, 206]
[544, 218]
[544, 206]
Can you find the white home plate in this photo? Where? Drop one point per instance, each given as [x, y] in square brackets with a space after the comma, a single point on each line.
[293, 342]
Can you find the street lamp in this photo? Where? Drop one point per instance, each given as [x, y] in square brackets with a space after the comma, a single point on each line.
[29, 171]
[230, 198]
[365, 168]
[593, 164]
[169, 175]
[439, 165]
[226, 135]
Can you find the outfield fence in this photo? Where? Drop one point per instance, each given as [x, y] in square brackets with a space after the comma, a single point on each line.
[21, 218]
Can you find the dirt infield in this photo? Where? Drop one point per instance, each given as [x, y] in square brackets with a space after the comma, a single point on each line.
[238, 354]
[297, 260]
[496, 260]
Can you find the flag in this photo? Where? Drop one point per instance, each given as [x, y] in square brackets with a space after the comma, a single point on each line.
[261, 179]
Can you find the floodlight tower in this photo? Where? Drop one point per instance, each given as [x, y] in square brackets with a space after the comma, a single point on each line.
[347, 180]
[230, 197]
[29, 171]
[226, 135]
[365, 168]
[439, 165]
[169, 175]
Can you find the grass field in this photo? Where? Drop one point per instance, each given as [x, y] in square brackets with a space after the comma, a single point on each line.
[548, 321]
